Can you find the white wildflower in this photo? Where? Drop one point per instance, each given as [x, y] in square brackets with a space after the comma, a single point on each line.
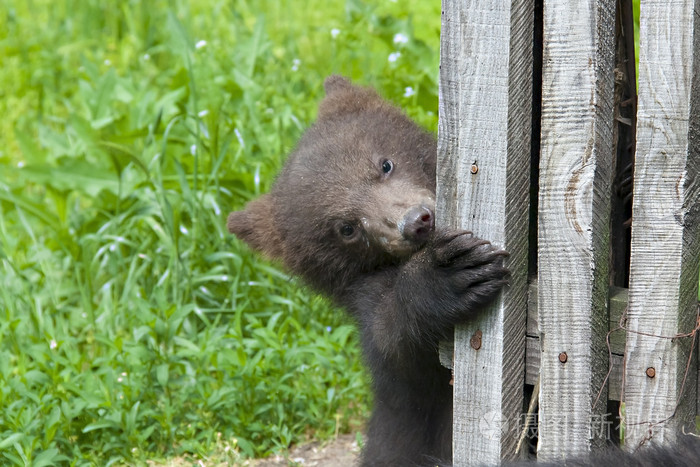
[53, 344]
[400, 38]
[335, 32]
[295, 64]
[184, 230]
[146, 57]
[394, 56]
[203, 113]
[409, 91]
[193, 149]
[200, 44]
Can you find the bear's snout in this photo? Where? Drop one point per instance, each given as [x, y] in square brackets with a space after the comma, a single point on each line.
[418, 222]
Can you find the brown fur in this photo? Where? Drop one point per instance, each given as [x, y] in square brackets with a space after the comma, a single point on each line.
[352, 213]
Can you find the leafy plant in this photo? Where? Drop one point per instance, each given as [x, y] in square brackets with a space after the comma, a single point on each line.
[133, 326]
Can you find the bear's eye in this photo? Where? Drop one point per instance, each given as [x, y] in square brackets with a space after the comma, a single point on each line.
[387, 166]
[347, 230]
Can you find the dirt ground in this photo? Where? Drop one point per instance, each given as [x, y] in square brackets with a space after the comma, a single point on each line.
[341, 452]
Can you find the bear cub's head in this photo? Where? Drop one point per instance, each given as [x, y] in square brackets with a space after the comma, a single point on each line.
[357, 193]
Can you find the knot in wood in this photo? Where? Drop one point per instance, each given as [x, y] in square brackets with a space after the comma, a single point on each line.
[475, 341]
[563, 357]
[651, 372]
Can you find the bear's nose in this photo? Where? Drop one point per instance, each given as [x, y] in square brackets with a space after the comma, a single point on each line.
[418, 223]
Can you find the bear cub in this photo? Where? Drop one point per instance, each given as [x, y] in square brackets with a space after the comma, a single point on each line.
[352, 213]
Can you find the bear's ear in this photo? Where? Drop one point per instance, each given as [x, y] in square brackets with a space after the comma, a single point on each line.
[343, 97]
[336, 83]
[256, 226]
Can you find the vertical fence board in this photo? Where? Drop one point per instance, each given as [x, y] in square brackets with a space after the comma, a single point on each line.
[574, 206]
[485, 118]
[665, 233]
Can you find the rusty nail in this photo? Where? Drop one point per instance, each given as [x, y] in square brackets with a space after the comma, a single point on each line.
[563, 357]
[651, 372]
[475, 341]
[474, 168]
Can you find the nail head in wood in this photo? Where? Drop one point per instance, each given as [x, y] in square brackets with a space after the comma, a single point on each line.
[563, 357]
[475, 341]
[651, 372]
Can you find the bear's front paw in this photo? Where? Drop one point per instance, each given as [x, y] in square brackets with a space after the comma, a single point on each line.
[472, 267]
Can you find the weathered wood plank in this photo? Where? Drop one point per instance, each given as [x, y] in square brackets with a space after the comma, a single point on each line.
[532, 368]
[574, 201]
[618, 308]
[617, 305]
[485, 118]
[615, 352]
[665, 229]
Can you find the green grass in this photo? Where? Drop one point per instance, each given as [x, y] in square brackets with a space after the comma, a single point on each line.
[132, 325]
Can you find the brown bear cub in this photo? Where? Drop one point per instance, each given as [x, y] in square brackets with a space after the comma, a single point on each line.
[352, 213]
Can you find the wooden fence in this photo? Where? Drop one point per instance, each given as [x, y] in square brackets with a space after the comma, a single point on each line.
[535, 97]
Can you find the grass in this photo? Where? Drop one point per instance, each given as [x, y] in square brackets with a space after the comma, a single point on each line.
[132, 326]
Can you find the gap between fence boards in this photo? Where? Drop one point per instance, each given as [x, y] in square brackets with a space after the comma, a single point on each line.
[618, 304]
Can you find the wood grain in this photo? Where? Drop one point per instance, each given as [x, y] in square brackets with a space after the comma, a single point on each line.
[574, 205]
[485, 120]
[618, 308]
[665, 233]
[615, 352]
